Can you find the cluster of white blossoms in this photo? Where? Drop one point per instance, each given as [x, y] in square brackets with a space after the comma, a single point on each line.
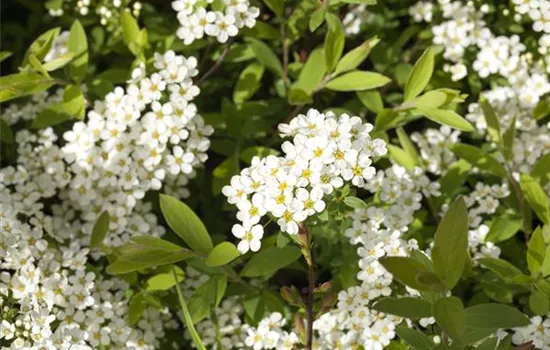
[271, 334]
[422, 11]
[434, 147]
[197, 19]
[108, 11]
[537, 332]
[325, 152]
[49, 298]
[355, 17]
[136, 140]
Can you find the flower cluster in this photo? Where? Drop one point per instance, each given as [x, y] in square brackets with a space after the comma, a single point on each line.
[135, 140]
[108, 11]
[434, 147]
[325, 152]
[537, 332]
[355, 17]
[270, 334]
[197, 20]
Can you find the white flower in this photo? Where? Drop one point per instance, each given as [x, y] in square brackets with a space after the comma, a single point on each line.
[250, 237]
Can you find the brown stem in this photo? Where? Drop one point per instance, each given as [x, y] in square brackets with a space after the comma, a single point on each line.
[218, 63]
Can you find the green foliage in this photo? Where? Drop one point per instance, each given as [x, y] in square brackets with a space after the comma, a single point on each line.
[267, 261]
[222, 254]
[100, 230]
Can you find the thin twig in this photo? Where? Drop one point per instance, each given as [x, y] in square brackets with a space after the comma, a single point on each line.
[218, 63]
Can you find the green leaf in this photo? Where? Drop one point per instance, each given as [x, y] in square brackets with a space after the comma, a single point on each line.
[144, 252]
[354, 202]
[248, 82]
[312, 72]
[408, 146]
[492, 317]
[399, 156]
[136, 307]
[406, 271]
[413, 308]
[164, 279]
[78, 46]
[299, 97]
[265, 56]
[488, 344]
[35, 63]
[317, 18]
[536, 197]
[58, 62]
[371, 99]
[185, 223]
[539, 303]
[23, 84]
[131, 31]
[269, 260]
[450, 248]
[503, 227]
[334, 41]
[73, 107]
[222, 254]
[508, 138]
[503, 268]
[6, 135]
[356, 81]
[542, 109]
[414, 338]
[277, 6]
[188, 320]
[420, 75]
[100, 230]
[5, 55]
[541, 169]
[355, 57]
[493, 125]
[456, 175]
[536, 251]
[207, 297]
[446, 117]
[480, 159]
[42, 45]
[449, 315]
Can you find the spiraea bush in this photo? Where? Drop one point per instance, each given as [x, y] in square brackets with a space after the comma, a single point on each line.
[275, 174]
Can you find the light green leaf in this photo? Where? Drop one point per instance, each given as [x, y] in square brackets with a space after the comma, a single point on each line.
[399, 156]
[136, 307]
[408, 146]
[536, 251]
[78, 46]
[269, 260]
[539, 303]
[449, 315]
[334, 41]
[6, 135]
[450, 248]
[317, 18]
[503, 268]
[58, 62]
[541, 169]
[299, 97]
[188, 320]
[248, 82]
[493, 125]
[185, 223]
[100, 230]
[503, 227]
[508, 138]
[355, 202]
[131, 31]
[420, 75]
[207, 297]
[371, 99]
[164, 279]
[356, 81]
[312, 72]
[446, 117]
[266, 56]
[542, 109]
[355, 57]
[73, 107]
[5, 55]
[480, 159]
[412, 308]
[42, 45]
[222, 254]
[536, 197]
[23, 84]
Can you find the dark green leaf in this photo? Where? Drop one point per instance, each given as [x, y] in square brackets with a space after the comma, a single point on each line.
[480, 159]
[100, 230]
[248, 82]
[413, 308]
[414, 338]
[222, 254]
[449, 315]
[269, 260]
[536, 197]
[265, 56]
[539, 303]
